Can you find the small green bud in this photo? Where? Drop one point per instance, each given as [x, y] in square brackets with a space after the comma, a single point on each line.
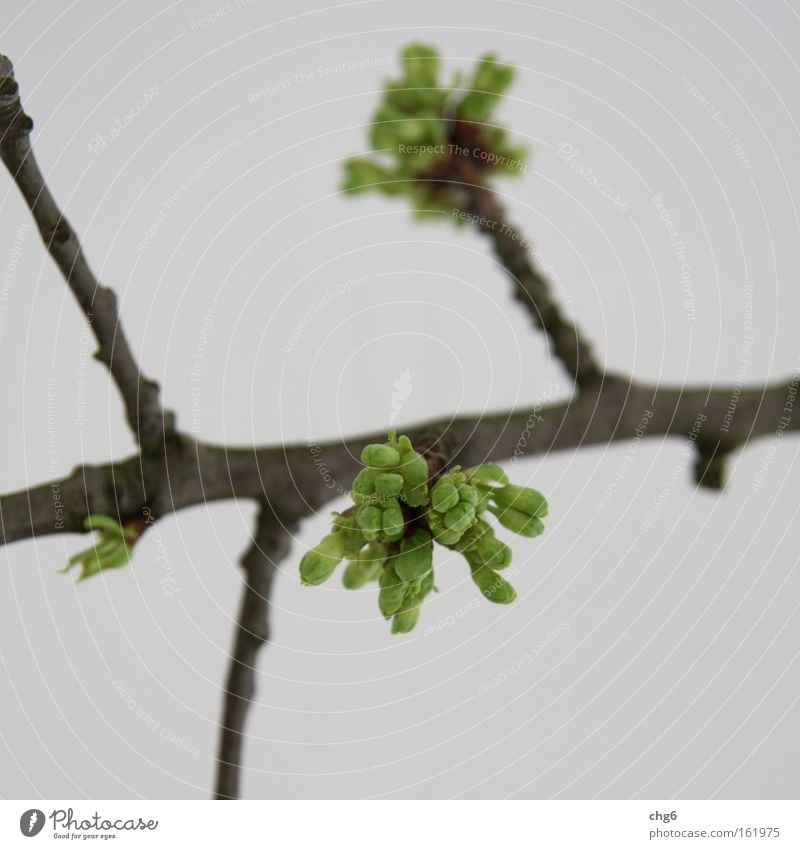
[370, 520]
[468, 494]
[364, 485]
[319, 562]
[519, 523]
[380, 456]
[493, 587]
[484, 547]
[366, 567]
[444, 495]
[521, 498]
[487, 473]
[362, 174]
[353, 537]
[414, 469]
[415, 559]
[388, 484]
[421, 64]
[460, 517]
[392, 522]
[392, 592]
[406, 619]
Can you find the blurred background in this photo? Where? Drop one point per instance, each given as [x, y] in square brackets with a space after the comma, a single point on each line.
[197, 148]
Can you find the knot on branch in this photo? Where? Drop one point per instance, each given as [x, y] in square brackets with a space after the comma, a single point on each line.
[710, 465]
[12, 118]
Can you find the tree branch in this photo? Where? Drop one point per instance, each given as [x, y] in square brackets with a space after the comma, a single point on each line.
[269, 546]
[532, 288]
[289, 476]
[145, 416]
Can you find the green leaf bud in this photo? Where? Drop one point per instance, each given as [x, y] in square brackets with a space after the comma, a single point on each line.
[493, 587]
[388, 484]
[468, 494]
[380, 456]
[444, 495]
[460, 517]
[521, 498]
[392, 592]
[393, 522]
[366, 567]
[414, 469]
[364, 485]
[487, 473]
[319, 562]
[415, 559]
[363, 174]
[405, 620]
[421, 64]
[519, 523]
[370, 520]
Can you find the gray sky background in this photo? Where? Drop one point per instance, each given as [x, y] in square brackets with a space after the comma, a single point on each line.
[636, 663]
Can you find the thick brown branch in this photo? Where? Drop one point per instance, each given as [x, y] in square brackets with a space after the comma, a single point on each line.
[269, 546]
[99, 304]
[291, 476]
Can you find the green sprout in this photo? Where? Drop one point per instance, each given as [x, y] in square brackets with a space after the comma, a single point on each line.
[111, 550]
[400, 512]
[430, 141]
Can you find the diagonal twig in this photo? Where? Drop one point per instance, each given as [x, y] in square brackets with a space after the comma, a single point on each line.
[270, 544]
[532, 288]
[148, 421]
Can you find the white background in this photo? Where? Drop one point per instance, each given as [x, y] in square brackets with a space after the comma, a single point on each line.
[677, 674]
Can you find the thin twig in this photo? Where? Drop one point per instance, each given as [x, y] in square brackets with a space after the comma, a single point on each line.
[532, 288]
[140, 396]
[270, 544]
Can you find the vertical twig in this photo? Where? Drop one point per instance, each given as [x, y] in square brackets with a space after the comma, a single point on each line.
[270, 545]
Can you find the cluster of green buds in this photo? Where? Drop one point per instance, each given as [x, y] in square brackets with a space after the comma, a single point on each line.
[422, 127]
[388, 534]
[111, 550]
